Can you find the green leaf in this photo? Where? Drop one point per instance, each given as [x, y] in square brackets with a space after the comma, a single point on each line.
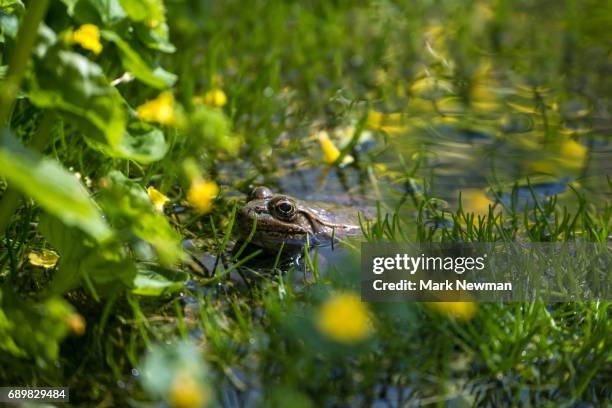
[156, 281]
[78, 88]
[107, 265]
[108, 12]
[156, 77]
[151, 27]
[129, 209]
[144, 144]
[54, 188]
[156, 39]
[143, 10]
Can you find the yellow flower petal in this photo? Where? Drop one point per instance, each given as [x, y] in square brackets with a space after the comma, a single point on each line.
[157, 199]
[215, 98]
[572, 151]
[47, 259]
[187, 392]
[459, 310]
[390, 123]
[330, 151]
[344, 318]
[88, 37]
[160, 109]
[475, 201]
[201, 194]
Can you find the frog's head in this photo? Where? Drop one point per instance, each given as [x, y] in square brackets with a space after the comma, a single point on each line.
[279, 218]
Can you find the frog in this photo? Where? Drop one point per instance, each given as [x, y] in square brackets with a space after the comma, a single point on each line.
[282, 220]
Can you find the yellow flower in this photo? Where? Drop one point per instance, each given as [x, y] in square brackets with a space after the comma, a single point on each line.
[157, 199]
[330, 151]
[344, 319]
[391, 123]
[563, 157]
[160, 109]
[572, 151]
[459, 310]
[215, 98]
[187, 392]
[475, 201]
[47, 259]
[88, 37]
[201, 194]
[76, 324]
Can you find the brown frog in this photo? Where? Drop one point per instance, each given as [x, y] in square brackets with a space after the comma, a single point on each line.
[279, 219]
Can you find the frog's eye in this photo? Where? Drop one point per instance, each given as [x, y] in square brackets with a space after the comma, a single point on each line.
[284, 208]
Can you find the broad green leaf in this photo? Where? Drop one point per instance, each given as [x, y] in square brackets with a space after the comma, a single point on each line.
[156, 281]
[156, 39]
[78, 88]
[144, 145]
[54, 188]
[129, 209]
[109, 265]
[156, 77]
[151, 27]
[106, 265]
[106, 12]
[150, 11]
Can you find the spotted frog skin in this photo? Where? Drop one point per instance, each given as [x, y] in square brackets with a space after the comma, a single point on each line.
[283, 219]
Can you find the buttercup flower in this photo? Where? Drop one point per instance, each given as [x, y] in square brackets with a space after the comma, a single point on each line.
[476, 201]
[186, 392]
[160, 109]
[201, 194]
[390, 123]
[572, 152]
[157, 199]
[344, 319]
[330, 151]
[88, 37]
[215, 98]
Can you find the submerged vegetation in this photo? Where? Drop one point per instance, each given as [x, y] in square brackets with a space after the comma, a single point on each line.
[131, 130]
